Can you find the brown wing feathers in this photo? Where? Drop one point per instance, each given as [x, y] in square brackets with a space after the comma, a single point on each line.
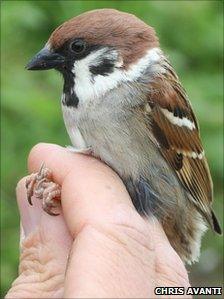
[180, 138]
[176, 130]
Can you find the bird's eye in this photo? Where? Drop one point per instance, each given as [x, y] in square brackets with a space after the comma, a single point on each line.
[77, 46]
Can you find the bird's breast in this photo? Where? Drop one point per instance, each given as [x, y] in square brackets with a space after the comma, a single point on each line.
[116, 137]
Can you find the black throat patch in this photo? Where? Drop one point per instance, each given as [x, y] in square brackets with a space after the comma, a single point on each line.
[70, 98]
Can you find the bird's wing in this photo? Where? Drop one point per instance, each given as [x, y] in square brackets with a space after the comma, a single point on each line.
[176, 133]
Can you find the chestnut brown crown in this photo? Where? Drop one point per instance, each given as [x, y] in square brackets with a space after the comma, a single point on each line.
[108, 27]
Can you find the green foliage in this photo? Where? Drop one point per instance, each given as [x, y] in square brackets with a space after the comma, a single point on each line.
[190, 33]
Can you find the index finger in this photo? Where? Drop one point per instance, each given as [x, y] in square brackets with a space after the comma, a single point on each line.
[57, 158]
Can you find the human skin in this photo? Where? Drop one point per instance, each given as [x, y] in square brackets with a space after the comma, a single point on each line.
[99, 246]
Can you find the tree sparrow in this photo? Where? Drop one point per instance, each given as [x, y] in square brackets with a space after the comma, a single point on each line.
[123, 101]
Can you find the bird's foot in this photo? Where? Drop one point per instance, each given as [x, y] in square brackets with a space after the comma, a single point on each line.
[41, 186]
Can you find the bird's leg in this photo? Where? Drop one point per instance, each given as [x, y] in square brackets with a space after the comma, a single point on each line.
[84, 150]
[41, 186]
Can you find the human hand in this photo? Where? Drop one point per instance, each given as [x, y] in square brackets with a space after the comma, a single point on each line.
[99, 246]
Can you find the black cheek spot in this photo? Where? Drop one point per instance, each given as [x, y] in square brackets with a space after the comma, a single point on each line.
[105, 67]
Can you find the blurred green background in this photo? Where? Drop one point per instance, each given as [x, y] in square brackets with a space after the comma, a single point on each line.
[190, 32]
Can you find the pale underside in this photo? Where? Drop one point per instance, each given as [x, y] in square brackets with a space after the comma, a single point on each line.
[118, 135]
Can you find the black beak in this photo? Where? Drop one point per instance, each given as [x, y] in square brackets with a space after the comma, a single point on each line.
[45, 60]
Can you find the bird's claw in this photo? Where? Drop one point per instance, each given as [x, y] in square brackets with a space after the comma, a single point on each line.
[41, 186]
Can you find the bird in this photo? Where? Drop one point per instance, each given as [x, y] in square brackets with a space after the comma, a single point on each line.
[123, 103]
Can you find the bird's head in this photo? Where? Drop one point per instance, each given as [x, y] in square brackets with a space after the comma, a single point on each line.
[95, 44]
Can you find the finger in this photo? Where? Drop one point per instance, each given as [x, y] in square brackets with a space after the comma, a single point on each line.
[91, 192]
[33, 218]
[34, 221]
[30, 215]
[45, 244]
[57, 158]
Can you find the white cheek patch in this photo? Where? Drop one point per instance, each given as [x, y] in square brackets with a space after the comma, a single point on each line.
[86, 88]
[180, 122]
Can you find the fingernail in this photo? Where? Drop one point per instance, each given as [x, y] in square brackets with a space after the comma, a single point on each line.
[30, 215]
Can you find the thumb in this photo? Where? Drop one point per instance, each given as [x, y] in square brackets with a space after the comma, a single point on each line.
[91, 191]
